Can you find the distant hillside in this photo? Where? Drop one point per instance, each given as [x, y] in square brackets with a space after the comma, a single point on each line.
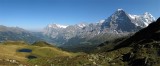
[16, 34]
[42, 44]
[77, 44]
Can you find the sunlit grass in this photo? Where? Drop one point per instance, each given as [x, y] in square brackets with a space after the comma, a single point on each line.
[9, 50]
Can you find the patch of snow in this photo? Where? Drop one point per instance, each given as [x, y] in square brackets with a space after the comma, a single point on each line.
[61, 26]
[81, 25]
[50, 26]
[57, 26]
[98, 32]
[101, 21]
[147, 15]
[116, 31]
[133, 16]
[146, 23]
[136, 24]
[120, 9]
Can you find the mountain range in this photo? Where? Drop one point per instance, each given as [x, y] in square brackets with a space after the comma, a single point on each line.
[119, 24]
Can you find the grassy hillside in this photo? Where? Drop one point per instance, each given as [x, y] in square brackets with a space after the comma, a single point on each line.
[41, 54]
[16, 53]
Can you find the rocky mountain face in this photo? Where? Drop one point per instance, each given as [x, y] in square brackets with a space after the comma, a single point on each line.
[146, 35]
[16, 34]
[119, 22]
[140, 49]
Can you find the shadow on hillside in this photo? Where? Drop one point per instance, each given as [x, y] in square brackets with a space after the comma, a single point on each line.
[31, 57]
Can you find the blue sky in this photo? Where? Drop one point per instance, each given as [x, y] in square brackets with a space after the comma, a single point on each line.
[36, 14]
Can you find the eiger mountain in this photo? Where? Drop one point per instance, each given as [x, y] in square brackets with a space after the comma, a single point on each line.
[16, 34]
[119, 23]
[140, 49]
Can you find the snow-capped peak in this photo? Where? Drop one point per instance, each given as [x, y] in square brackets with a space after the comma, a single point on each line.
[81, 25]
[61, 26]
[101, 21]
[120, 9]
[133, 16]
[142, 20]
[57, 26]
[148, 15]
[119, 12]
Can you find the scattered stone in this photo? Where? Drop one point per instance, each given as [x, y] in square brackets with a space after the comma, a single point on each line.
[94, 63]
[113, 63]
[108, 59]
[21, 65]
[90, 59]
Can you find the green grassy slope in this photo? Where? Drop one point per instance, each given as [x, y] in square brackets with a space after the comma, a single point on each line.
[10, 50]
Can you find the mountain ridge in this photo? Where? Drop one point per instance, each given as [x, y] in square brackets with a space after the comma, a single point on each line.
[16, 34]
[119, 22]
[147, 34]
